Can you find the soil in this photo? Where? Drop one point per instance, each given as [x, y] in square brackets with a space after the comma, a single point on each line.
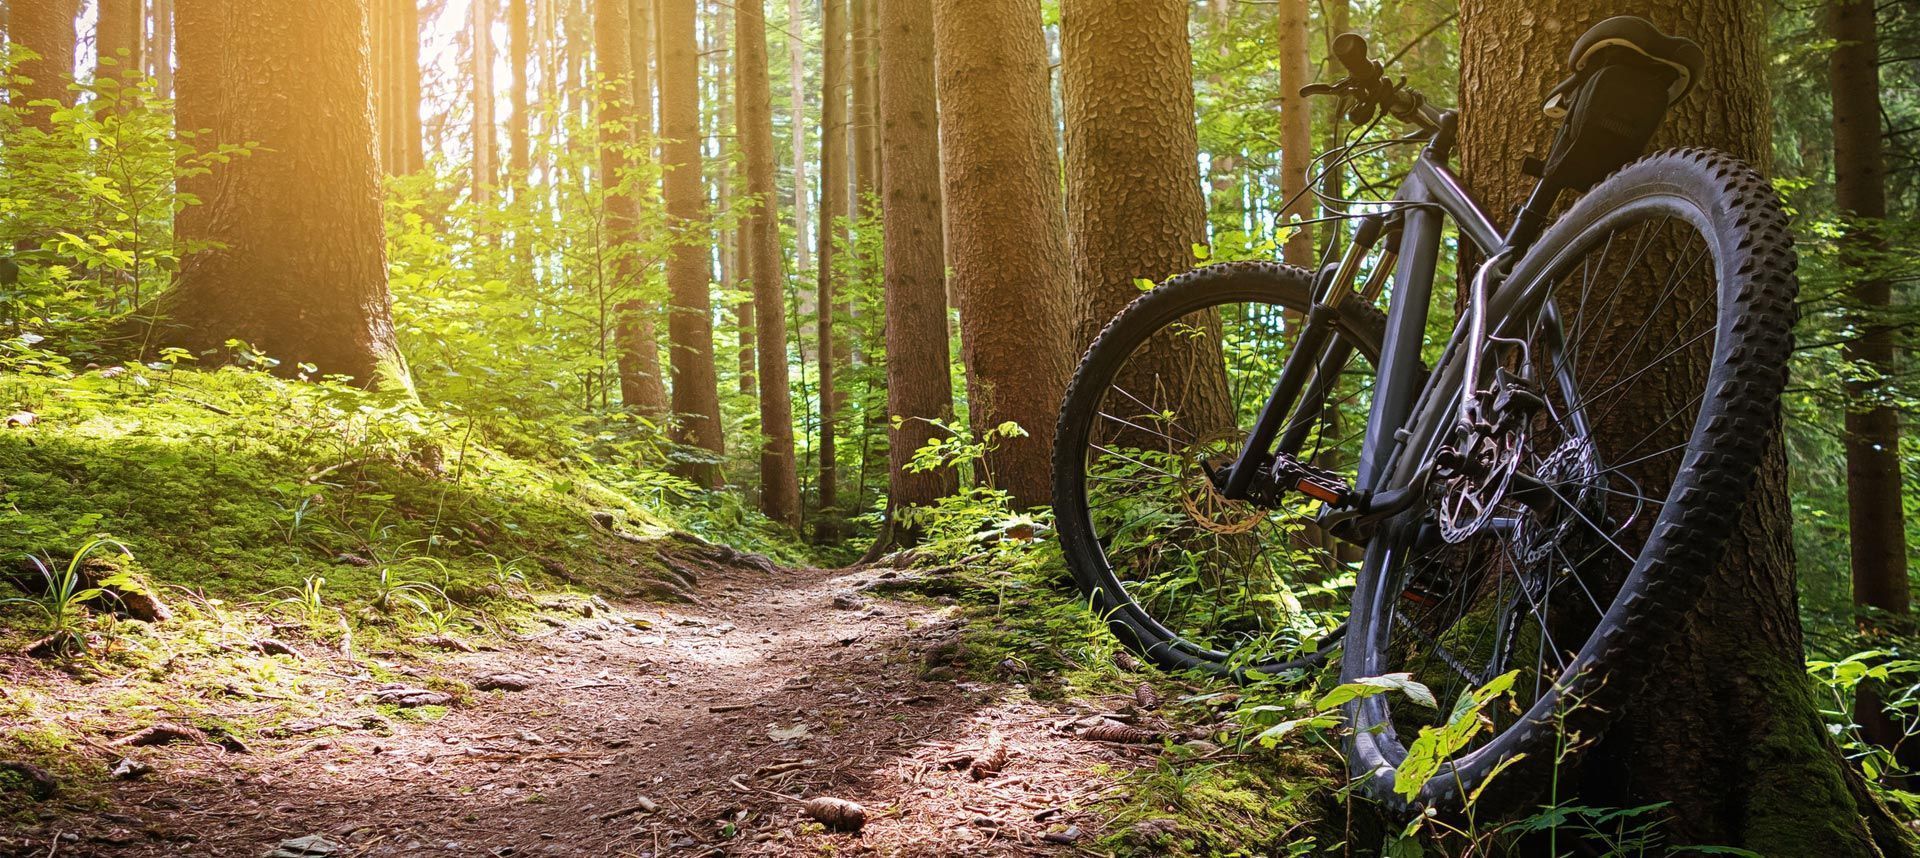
[644, 730]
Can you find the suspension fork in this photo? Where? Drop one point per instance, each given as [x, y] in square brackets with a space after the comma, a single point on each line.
[1316, 358]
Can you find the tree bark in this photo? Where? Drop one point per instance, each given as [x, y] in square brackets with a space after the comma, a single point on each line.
[1877, 523]
[293, 248]
[696, 394]
[519, 54]
[160, 52]
[797, 80]
[484, 167]
[919, 383]
[45, 27]
[1007, 230]
[1726, 730]
[760, 237]
[833, 211]
[641, 387]
[119, 38]
[642, 51]
[866, 113]
[1134, 207]
[1296, 129]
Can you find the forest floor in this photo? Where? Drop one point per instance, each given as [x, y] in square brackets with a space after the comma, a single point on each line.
[644, 730]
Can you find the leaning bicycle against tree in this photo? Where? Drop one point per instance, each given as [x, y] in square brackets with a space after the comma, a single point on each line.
[1259, 468]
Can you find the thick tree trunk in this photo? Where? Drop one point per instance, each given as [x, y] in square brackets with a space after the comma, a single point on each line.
[1726, 730]
[293, 258]
[1296, 128]
[641, 387]
[833, 210]
[44, 27]
[760, 237]
[696, 394]
[919, 384]
[119, 38]
[1008, 230]
[519, 55]
[484, 166]
[1134, 207]
[1877, 523]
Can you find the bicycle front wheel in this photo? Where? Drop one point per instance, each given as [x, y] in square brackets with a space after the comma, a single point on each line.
[1580, 511]
[1165, 396]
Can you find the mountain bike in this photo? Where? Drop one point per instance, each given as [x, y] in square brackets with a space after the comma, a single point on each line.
[1261, 468]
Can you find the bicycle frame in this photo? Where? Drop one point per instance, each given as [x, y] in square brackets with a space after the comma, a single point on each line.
[1430, 193]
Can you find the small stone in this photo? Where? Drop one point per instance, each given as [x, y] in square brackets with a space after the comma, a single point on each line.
[848, 601]
[504, 682]
[130, 769]
[1064, 838]
[310, 846]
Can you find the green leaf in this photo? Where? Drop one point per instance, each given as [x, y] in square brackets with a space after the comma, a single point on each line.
[1370, 686]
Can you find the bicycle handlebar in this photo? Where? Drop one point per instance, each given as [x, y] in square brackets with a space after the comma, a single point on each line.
[1367, 82]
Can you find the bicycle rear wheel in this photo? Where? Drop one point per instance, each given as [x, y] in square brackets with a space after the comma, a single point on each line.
[1577, 523]
[1164, 397]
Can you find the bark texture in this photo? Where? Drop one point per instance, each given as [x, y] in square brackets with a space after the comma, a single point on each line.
[797, 91]
[1877, 524]
[160, 51]
[119, 38]
[44, 27]
[760, 236]
[1726, 730]
[919, 384]
[696, 394]
[641, 387]
[1134, 207]
[1296, 128]
[296, 258]
[833, 210]
[1008, 230]
[866, 113]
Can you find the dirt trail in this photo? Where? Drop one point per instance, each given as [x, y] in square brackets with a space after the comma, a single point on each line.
[635, 738]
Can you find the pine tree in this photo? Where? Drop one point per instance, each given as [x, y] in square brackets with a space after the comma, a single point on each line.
[1007, 230]
[45, 27]
[696, 394]
[833, 211]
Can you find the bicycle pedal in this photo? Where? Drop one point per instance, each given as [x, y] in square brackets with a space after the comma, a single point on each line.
[1320, 484]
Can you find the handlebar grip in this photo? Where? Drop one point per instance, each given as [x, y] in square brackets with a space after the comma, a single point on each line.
[1351, 50]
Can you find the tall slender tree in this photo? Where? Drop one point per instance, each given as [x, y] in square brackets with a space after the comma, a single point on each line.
[833, 210]
[696, 394]
[642, 39]
[1296, 127]
[292, 256]
[160, 48]
[1007, 229]
[641, 386]
[760, 253]
[484, 164]
[919, 384]
[1736, 681]
[1877, 522]
[866, 100]
[1134, 207]
[519, 57]
[797, 90]
[45, 27]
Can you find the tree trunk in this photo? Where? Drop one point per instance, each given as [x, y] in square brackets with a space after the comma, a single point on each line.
[293, 248]
[46, 28]
[641, 388]
[1008, 230]
[919, 383]
[833, 210]
[797, 64]
[484, 168]
[1134, 207]
[760, 240]
[642, 39]
[1877, 523]
[1296, 128]
[1726, 730]
[519, 54]
[866, 112]
[160, 52]
[696, 393]
[413, 149]
[119, 37]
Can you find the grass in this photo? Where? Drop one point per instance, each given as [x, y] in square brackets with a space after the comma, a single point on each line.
[341, 522]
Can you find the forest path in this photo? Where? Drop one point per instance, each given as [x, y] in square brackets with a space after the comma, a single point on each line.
[635, 734]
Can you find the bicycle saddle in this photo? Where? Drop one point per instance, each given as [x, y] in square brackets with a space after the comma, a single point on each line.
[1637, 36]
